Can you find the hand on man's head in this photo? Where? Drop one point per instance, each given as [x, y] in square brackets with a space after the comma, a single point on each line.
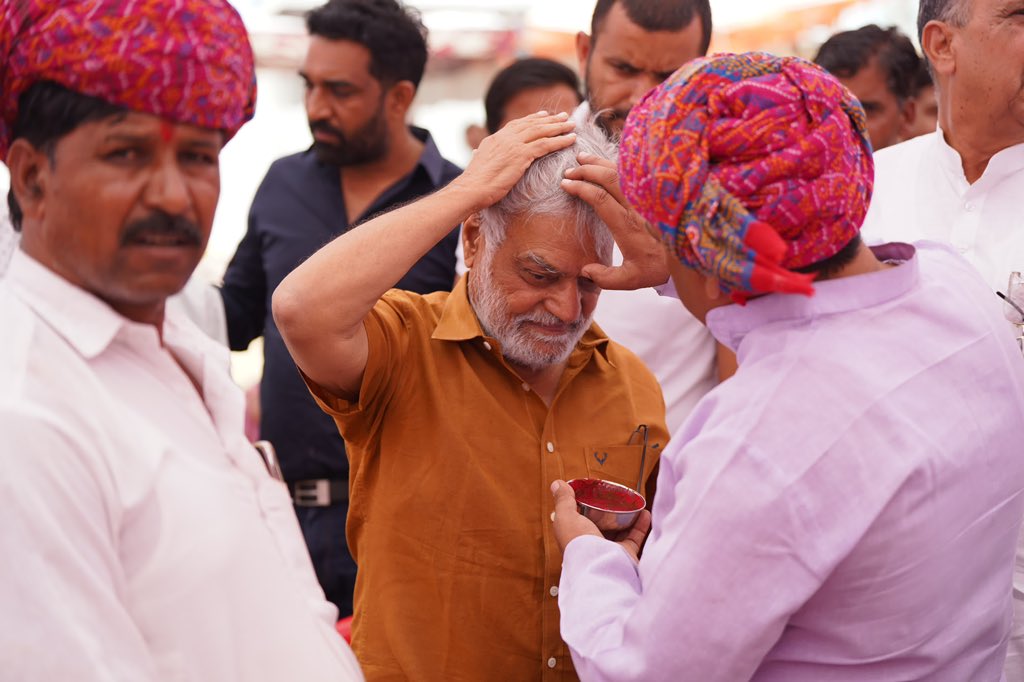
[502, 158]
[596, 181]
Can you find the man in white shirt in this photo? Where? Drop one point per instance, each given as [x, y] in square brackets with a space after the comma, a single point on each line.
[633, 46]
[142, 537]
[963, 184]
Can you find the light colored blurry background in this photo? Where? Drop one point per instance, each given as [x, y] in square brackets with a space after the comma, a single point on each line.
[469, 41]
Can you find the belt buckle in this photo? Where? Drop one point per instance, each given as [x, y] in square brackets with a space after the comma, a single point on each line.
[315, 493]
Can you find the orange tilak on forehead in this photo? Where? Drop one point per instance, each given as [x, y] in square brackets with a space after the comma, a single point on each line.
[166, 130]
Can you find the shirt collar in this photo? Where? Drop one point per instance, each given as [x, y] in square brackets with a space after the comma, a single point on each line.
[458, 319]
[730, 324]
[458, 322]
[431, 159]
[1003, 164]
[85, 322]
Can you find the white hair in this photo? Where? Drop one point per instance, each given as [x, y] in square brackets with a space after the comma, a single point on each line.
[539, 193]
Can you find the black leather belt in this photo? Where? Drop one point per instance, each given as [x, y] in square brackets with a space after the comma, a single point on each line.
[319, 492]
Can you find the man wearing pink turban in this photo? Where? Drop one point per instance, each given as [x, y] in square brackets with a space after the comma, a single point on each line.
[142, 537]
[846, 507]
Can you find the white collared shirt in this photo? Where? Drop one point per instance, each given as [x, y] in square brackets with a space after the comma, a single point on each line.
[921, 193]
[141, 536]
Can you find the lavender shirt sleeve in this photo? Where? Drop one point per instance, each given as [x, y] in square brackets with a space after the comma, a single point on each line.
[714, 589]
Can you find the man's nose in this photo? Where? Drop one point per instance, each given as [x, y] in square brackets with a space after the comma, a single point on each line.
[565, 303]
[316, 103]
[167, 188]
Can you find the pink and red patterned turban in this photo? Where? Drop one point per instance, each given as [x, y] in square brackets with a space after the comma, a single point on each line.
[749, 165]
[188, 61]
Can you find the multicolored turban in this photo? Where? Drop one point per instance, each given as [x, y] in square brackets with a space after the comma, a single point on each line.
[184, 60]
[750, 165]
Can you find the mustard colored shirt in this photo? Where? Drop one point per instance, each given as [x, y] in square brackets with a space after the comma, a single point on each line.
[451, 458]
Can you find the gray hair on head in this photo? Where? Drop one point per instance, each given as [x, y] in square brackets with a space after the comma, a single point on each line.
[953, 12]
[539, 193]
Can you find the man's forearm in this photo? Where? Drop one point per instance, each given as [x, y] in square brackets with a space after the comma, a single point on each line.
[334, 290]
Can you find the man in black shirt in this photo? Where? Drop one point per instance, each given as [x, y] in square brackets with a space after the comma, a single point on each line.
[364, 63]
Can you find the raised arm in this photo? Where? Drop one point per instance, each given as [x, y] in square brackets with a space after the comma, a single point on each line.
[320, 307]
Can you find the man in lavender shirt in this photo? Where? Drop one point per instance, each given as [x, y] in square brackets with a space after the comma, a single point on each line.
[847, 506]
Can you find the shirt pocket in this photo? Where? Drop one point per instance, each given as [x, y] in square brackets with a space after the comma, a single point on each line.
[616, 463]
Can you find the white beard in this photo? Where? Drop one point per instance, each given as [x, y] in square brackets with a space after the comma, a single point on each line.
[520, 345]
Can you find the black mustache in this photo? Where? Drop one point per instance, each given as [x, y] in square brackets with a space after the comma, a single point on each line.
[325, 127]
[163, 224]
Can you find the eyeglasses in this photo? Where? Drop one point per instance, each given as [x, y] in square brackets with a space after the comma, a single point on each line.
[640, 434]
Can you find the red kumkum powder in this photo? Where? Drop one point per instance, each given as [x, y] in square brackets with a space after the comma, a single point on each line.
[594, 492]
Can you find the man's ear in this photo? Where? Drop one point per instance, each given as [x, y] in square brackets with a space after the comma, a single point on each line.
[472, 239]
[399, 99]
[583, 47]
[938, 48]
[29, 169]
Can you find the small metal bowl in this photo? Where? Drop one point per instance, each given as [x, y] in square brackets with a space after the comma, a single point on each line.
[610, 506]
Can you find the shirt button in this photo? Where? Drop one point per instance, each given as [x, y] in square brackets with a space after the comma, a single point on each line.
[552, 662]
[526, 386]
[487, 345]
[968, 207]
[551, 446]
[554, 591]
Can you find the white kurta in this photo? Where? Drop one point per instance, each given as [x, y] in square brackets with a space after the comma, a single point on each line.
[921, 193]
[141, 536]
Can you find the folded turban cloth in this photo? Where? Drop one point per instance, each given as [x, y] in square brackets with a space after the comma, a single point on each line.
[188, 61]
[749, 165]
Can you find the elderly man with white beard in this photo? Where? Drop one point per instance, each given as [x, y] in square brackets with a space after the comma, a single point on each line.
[458, 410]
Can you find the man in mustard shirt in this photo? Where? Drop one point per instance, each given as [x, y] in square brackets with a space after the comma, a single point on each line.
[459, 409]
